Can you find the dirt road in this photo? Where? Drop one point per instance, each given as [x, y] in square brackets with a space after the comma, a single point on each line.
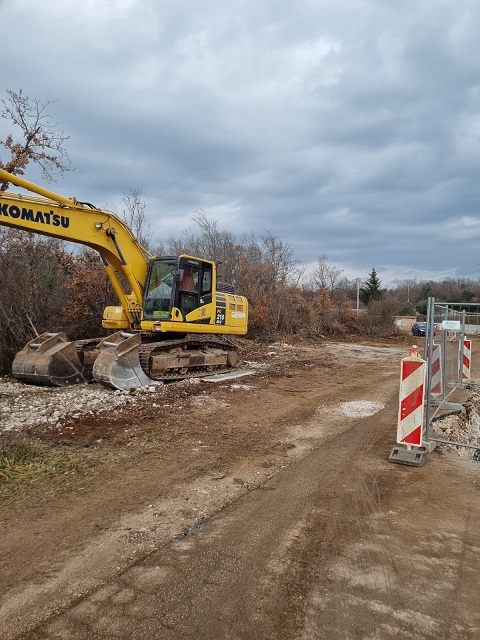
[258, 508]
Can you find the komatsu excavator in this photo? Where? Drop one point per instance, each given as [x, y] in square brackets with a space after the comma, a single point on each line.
[173, 318]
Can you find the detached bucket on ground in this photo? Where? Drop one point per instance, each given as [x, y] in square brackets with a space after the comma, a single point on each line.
[50, 360]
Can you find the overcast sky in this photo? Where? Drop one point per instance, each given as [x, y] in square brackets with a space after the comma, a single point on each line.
[349, 128]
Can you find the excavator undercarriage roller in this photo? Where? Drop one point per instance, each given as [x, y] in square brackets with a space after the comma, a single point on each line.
[50, 360]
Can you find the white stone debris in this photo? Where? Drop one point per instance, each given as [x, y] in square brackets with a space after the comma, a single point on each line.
[24, 406]
[360, 408]
[463, 427]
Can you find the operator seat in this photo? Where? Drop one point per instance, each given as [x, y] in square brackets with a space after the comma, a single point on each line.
[188, 292]
[187, 283]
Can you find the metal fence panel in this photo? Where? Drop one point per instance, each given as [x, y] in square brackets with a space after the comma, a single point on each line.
[447, 351]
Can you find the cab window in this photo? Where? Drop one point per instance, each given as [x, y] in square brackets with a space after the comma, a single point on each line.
[159, 289]
[206, 279]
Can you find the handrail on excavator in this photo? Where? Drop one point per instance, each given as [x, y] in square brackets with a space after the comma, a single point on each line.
[5, 176]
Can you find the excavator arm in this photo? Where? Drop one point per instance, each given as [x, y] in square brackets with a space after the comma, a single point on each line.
[68, 219]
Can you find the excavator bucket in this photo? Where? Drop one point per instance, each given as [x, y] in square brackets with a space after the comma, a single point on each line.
[118, 362]
[50, 360]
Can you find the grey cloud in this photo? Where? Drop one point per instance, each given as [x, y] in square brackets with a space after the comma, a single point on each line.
[345, 128]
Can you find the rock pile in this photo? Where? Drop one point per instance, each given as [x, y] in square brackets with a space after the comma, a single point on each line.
[463, 427]
[25, 406]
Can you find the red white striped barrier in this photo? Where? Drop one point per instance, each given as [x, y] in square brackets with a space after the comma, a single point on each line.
[412, 396]
[436, 368]
[465, 366]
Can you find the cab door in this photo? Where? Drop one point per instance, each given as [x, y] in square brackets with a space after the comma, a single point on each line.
[187, 298]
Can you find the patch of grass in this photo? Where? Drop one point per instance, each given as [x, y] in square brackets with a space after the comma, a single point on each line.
[28, 460]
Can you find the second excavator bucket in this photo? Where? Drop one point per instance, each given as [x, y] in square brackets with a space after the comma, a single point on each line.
[50, 360]
[118, 363]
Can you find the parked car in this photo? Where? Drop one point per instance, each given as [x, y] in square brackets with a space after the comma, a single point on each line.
[420, 329]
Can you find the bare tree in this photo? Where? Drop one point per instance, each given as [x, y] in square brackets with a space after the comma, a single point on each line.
[39, 140]
[135, 216]
[211, 242]
[326, 276]
[33, 269]
[280, 255]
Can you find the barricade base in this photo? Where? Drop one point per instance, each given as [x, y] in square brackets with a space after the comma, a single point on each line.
[430, 445]
[414, 457]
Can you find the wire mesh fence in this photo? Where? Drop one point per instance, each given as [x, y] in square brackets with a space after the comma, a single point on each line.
[450, 332]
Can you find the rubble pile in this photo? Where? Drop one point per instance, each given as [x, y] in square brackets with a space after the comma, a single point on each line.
[24, 406]
[462, 427]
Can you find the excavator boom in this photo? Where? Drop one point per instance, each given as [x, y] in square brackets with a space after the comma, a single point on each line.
[67, 219]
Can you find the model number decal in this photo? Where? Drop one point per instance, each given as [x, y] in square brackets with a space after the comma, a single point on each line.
[220, 316]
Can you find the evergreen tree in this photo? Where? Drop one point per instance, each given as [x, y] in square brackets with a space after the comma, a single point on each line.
[371, 290]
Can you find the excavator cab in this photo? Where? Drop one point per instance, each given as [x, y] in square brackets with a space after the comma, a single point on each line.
[159, 288]
[182, 283]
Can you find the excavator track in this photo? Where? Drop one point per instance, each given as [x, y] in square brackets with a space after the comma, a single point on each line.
[87, 351]
[128, 361]
[194, 356]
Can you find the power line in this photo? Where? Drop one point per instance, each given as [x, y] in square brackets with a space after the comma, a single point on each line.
[436, 275]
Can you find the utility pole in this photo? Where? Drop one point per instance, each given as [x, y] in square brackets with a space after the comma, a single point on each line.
[358, 295]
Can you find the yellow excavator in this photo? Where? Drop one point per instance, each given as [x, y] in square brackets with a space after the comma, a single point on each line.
[173, 317]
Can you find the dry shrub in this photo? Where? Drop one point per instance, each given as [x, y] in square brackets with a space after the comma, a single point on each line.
[378, 319]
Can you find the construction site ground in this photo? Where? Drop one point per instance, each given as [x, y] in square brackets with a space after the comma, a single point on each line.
[259, 507]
